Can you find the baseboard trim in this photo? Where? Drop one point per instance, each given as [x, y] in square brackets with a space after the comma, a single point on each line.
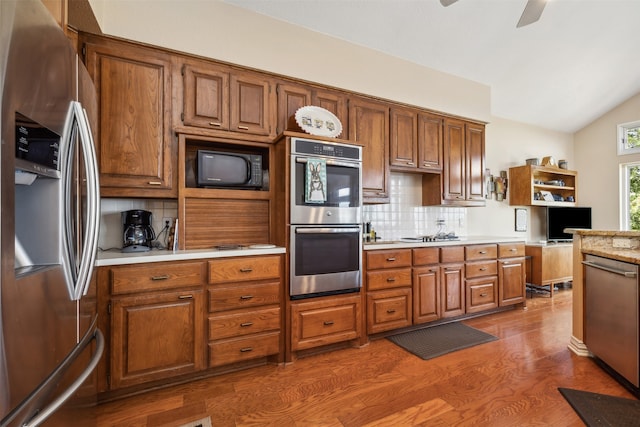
[578, 347]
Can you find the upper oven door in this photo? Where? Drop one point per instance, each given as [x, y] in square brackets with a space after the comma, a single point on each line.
[343, 195]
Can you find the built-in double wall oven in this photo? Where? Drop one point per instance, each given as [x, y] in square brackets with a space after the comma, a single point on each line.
[325, 218]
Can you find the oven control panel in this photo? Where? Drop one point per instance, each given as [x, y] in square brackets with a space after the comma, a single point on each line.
[326, 149]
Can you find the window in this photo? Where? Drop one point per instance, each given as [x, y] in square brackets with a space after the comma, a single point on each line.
[630, 200]
[629, 138]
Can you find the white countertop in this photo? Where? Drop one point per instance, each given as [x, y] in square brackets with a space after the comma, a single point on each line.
[469, 240]
[116, 257]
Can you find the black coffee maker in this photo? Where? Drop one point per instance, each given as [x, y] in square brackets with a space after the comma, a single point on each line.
[138, 232]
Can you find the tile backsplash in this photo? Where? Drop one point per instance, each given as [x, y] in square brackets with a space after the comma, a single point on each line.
[406, 217]
[403, 217]
[111, 231]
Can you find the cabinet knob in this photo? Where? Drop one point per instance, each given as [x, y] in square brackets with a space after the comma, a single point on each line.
[163, 277]
[482, 252]
[185, 297]
[246, 270]
[391, 311]
[483, 269]
[483, 295]
[243, 127]
[246, 349]
[328, 323]
[391, 279]
[246, 324]
[246, 297]
[155, 183]
[391, 259]
[411, 164]
[215, 124]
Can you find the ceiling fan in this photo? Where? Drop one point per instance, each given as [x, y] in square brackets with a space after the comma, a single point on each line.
[531, 13]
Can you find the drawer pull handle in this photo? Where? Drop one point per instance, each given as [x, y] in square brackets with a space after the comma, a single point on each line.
[483, 269]
[410, 163]
[163, 277]
[328, 323]
[243, 127]
[391, 259]
[246, 324]
[482, 252]
[246, 349]
[246, 297]
[483, 295]
[185, 297]
[155, 182]
[513, 249]
[391, 279]
[215, 124]
[246, 270]
[391, 311]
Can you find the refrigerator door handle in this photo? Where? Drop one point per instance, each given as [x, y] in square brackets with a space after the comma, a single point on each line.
[65, 395]
[78, 268]
[90, 245]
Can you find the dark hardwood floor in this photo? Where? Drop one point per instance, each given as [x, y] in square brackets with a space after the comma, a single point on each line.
[509, 382]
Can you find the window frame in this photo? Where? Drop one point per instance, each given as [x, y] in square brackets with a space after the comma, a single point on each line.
[622, 135]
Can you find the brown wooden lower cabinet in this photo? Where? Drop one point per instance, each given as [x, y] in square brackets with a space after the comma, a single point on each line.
[426, 294]
[325, 320]
[156, 336]
[512, 274]
[388, 309]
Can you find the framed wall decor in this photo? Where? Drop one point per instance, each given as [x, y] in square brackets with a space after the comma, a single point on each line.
[521, 219]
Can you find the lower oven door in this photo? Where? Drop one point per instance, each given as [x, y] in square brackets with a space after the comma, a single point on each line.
[325, 260]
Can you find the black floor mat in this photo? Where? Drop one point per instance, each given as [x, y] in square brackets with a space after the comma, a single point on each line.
[435, 341]
[602, 410]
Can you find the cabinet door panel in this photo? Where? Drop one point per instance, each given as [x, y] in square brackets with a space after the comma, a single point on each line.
[369, 126]
[404, 138]
[454, 167]
[206, 97]
[336, 103]
[452, 293]
[426, 294]
[134, 145]
[430, 139]
[156, 336]
[250, 104]
[475, 162]
[482, 294]
[511, 273]
[387, 310]
[290, 99]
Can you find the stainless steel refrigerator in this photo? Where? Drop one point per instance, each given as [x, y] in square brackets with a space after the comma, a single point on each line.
[49, 212]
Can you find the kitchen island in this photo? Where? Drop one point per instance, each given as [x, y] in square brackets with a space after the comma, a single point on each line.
[616, 245]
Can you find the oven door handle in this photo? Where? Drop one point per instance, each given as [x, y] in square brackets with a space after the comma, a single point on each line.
[331, 163]
[327, 230]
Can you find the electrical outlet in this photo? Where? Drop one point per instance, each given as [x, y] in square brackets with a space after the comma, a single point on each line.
[167, 221]
[440, 221]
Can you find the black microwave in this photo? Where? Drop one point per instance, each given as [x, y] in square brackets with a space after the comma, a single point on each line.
[228, 169]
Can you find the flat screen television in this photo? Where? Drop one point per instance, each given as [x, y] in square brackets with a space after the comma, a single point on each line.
[561, 217]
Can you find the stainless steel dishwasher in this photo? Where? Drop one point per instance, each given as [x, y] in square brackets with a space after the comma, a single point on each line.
[611, 314]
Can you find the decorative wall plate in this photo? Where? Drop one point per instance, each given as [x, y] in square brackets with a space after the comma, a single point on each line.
[318, 121]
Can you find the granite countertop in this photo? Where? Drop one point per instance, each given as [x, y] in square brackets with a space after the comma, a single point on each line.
[614, 244]
[116, 257]
[469, 240]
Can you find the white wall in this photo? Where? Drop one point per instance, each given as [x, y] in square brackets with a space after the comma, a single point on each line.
[599, 163]
[225, 32]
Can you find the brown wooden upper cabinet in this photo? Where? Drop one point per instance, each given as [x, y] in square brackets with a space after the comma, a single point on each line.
[416, 141]
[135, 149]
[292, 96]
[462, 180]
[220, 98]
[369, 126]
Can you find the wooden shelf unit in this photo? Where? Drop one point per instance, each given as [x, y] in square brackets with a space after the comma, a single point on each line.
[528, 180]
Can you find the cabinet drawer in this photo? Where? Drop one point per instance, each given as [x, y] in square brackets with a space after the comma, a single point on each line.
[388, 259]
[239, 349]
[243, 269]
[477, 252]
[324, 322]
[451, 254]
[508, 250]
[426, 256]
[244, 323]
[481, 268]
[156, 276]
[392, 278]
[388, 310]
[252, 295]
[482, 294]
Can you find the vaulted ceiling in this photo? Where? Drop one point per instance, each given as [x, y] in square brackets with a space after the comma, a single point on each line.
[581, 59]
